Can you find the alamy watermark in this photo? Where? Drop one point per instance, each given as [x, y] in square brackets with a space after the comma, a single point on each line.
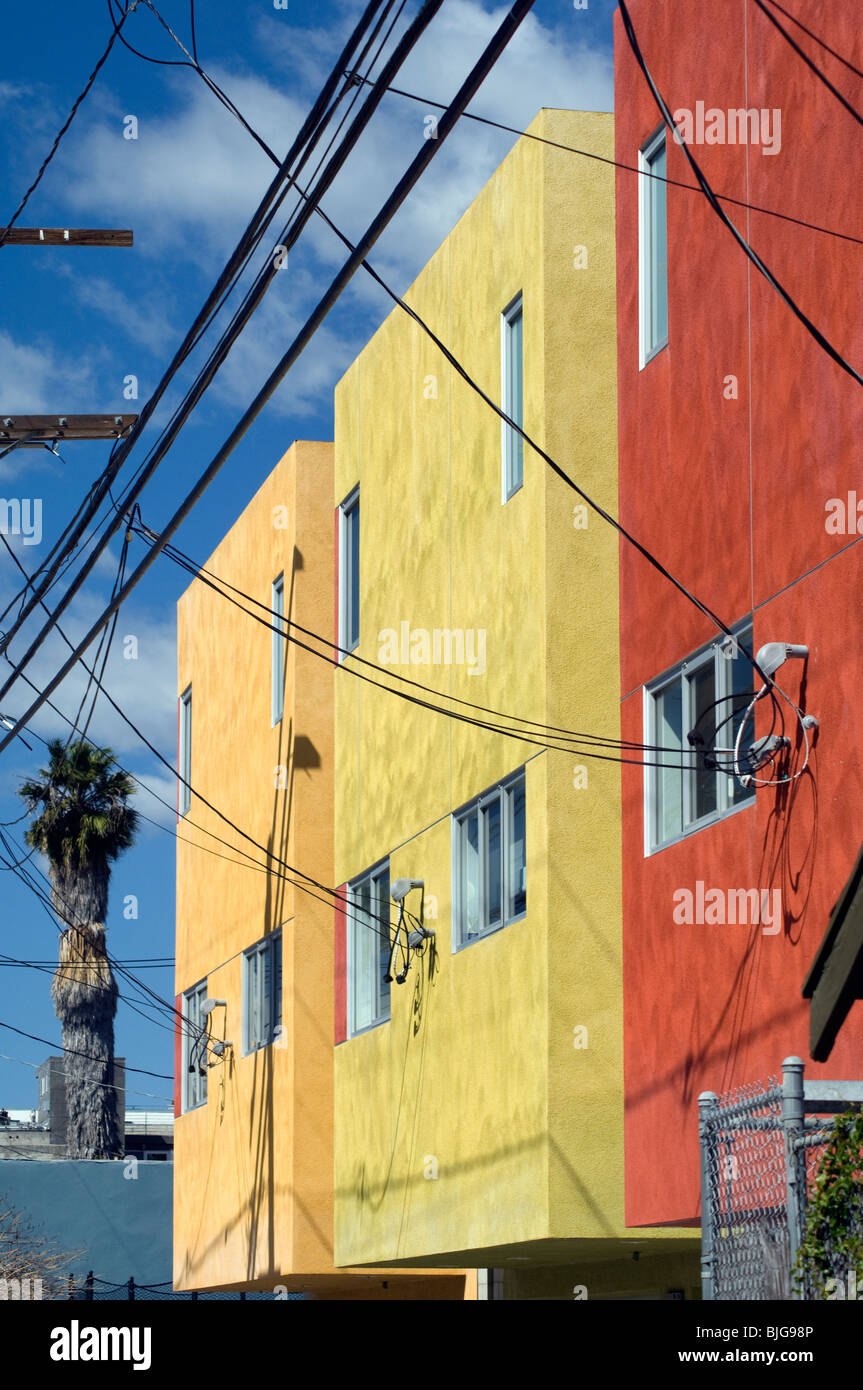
[719, 907]
[737, 126]
[22, 516]
[445, 646]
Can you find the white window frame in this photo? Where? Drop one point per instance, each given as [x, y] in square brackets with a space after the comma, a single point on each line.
[502, 791]
[184, 769]
[345, 590]
[725, 805]
[355, 923]
[268, 1028]
[648, 188]
[194, 1085]
[512, 445]
[277, 605]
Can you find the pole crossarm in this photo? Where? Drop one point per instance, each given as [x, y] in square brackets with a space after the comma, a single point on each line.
[66, 236]
[31, 431]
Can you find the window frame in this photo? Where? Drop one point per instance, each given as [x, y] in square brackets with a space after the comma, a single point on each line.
[277, 672]
[194, 1089]
[383, 1008]
[184, 760]
[648, 188]
[269, 945]
[512, 445]
[683, 672]
[347, 508]
[502, 792]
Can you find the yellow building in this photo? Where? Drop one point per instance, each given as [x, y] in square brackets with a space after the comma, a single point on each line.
[253, 1194]
[479, 1103]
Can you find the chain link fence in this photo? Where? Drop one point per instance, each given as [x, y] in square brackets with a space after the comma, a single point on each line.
[761, 1146]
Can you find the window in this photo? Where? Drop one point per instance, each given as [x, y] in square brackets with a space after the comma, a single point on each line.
[368, 908]
[262, 993]
[489, 862]
[652, 249]
[349, 572]
[512, 396]
[278, 663]
[194, 1048]
[708, 694]
[185, 768]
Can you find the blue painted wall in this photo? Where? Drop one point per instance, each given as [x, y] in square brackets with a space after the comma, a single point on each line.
[121, 1224]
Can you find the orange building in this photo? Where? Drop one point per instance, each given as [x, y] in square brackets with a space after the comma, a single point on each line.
[253, 1192]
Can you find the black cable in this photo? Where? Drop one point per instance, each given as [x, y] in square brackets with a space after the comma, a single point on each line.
[58, 1047]
[431, 147]
[756, 260]
[629, 168]
[333, 893]
[308, 134]
[822, 44]
[4, 232]
[813, 67]
[49, 907]
[213, 582]
[397, 58]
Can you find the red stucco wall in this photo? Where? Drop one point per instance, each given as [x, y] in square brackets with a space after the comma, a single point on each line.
[731, 496]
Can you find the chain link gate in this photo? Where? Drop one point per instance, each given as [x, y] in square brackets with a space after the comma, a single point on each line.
[760, 1151]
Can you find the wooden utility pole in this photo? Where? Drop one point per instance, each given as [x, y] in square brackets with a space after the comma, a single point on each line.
[32, 431]
[65, 236]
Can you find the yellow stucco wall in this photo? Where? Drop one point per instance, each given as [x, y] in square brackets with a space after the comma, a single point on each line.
[253, 1191]
[476, 1077]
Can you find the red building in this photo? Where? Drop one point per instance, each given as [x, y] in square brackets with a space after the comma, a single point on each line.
[740, 454]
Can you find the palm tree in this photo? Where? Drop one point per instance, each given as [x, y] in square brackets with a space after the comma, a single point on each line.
[83, 824]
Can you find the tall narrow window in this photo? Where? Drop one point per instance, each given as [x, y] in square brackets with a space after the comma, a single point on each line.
[262, 1003]
[185, 761]
[512, 395]
[349, 573]
[278, 664]
[194, 1047]
[652, 248]
[489, 862]
[368, 950]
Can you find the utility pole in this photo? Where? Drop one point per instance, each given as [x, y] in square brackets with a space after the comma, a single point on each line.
[65, 236]
[34, 431]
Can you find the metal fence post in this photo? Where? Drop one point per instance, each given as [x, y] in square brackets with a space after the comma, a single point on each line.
[708, 1106]
[88, 1286]
[131, 1287]
[793, 1126]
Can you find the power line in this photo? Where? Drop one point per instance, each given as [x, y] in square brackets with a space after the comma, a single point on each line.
[574, 738]
[308, 135]
[109, 1085]
[711, 197]
[628, 168]
[58, 1047]
[4, 233]
[813, 67]
[822, 44]
[49, 907]
[431, 147]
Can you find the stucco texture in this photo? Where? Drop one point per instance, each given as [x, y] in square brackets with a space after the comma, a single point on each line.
[470, 1127]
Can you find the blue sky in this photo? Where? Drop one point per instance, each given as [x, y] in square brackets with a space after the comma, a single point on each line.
[76, 323]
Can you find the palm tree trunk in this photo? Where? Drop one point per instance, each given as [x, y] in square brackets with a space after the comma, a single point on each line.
[85, 1000]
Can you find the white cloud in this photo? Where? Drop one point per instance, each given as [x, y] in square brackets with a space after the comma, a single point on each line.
[191, 180]
[32, 376]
